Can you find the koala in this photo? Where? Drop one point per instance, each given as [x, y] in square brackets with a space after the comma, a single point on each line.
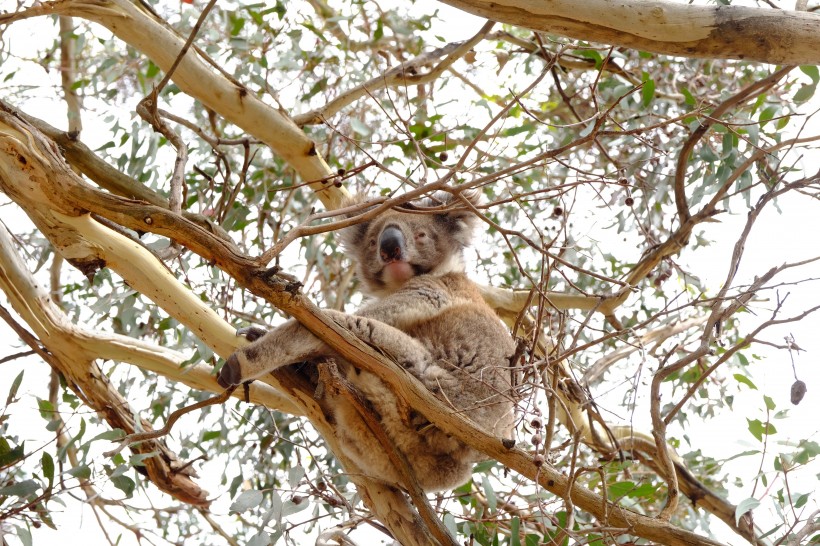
[431, 319]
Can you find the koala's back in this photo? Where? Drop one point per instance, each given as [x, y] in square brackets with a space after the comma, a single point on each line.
[469, 370]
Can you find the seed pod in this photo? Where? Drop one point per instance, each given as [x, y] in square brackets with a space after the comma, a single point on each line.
[798, 391]
[557, 211]
[536, 439]
[443, 156]
[538, 460]
[536, 422]
[629, 201]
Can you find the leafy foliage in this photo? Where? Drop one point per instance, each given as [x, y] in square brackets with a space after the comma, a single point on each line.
[579, 150]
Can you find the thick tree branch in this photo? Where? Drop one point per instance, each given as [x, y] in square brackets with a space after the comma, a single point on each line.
[71, 358]
[86, 242]
[132, 24]
[685, 30]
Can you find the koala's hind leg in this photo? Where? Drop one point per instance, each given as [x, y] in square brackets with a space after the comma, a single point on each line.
[292, 342]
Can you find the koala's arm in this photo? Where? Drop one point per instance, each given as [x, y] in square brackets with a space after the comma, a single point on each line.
[292, 342]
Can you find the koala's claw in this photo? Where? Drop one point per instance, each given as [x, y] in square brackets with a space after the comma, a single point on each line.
[230, 374]
[251, 333]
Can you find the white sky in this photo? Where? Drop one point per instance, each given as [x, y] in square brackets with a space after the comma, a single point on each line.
[777, 239]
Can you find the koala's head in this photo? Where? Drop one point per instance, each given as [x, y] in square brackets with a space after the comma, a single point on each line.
[405, 242]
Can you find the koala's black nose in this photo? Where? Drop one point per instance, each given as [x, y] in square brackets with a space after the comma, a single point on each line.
[391, 244]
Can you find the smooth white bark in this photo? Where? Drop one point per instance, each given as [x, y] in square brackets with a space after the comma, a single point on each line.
[686, 30]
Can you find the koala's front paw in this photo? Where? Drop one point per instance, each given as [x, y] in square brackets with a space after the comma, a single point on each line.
[231, 373]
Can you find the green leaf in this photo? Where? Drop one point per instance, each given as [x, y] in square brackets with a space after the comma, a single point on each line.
[492, 501]
[124, 484]
[515, 525]
[47, 464]
[20, 489]
[211, 435]
[358, 126]
[82, 472]
[289, 507]
[247, 500]
[119, 471]
[805, 93]
[648, 90]
[533, 540]
[112, 435]
[46, 409]
[812, 72]
[767, 114]
[450, 523]
[747, 453]
[758, 428]
[315, 89]
[12, 397]
[746, 505]
[295, 475]
[620, 489]
[260, 539]
[740, 378]
[687, 96]
[24, 535]
[138, 458]
[10, 456]
[237, 26]
[152, 70]
[591, 54]
[769, 402]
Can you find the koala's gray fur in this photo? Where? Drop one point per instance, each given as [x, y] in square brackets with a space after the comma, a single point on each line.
[432, 320]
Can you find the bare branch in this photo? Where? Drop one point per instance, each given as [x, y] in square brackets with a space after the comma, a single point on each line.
[407, 73]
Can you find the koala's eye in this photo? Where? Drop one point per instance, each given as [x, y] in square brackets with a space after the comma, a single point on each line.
[421, 235]
[372, 243]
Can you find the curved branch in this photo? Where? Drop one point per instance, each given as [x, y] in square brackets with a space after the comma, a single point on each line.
[706, 123]
[407, 73]
[685, 30]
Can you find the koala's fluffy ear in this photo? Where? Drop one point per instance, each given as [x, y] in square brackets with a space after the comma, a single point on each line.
[460, 221]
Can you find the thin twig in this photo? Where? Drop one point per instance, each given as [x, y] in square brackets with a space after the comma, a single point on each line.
[173, 418]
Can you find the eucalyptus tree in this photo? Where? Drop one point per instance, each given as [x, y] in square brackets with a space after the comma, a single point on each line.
[194, 185]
